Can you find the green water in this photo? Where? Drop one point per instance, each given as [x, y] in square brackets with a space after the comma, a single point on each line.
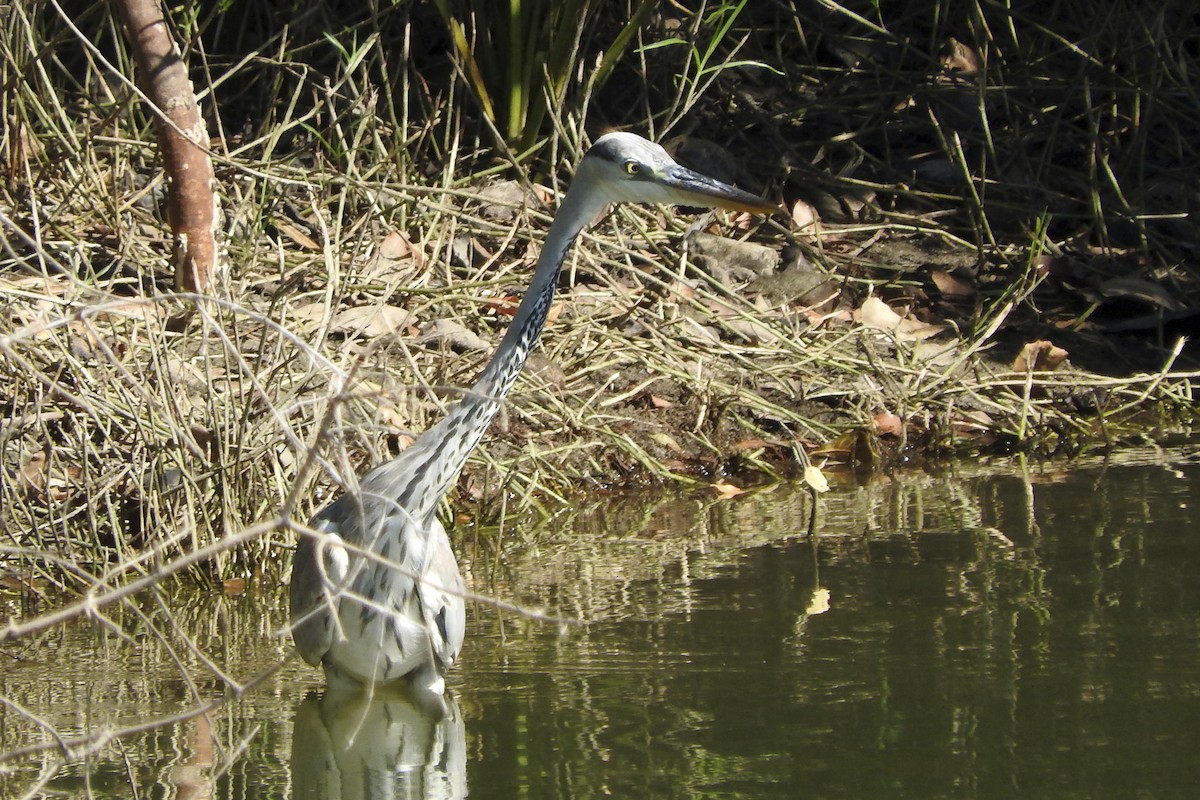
[1001, 631]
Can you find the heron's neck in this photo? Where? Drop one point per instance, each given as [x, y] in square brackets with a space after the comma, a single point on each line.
[443, 448]
[576, 211]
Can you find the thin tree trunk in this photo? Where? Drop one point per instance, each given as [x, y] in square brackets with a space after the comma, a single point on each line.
[192, 203]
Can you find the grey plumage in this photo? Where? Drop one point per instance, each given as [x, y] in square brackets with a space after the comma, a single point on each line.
[376, 595]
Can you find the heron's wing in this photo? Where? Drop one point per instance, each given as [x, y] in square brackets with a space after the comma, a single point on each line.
[318, 572]
[441, 594]
[410, 574]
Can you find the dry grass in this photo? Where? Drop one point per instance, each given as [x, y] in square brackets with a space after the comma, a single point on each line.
[139, 425]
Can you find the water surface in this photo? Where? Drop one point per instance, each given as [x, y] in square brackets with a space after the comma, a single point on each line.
[1007, 631]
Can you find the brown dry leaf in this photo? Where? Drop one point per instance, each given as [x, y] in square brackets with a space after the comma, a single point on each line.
[1111, 252]
[371, 321]
[951, 286]
[507, 306]
[806, 219]
[296, 235]
[391, 418]
[403, 441]
[878, 315]
[86, 344]
[16, 583]
[684, 291]
[234, 586]
[33, 474]
[396, 246]
[148, 313]
[395, 256]
[726, 490]
[888, 424]
[26, 146]
[958, 57]
[817, 319]
[745, 221]
[753, 444]
[36, 478]
[305, 313]
[1045, 265]
[448, 333]
[1039, 356]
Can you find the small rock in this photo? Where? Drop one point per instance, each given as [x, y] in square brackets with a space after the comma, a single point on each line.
[731, 262]
[502, 201]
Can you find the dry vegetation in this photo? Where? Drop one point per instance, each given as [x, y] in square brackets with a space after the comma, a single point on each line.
[991, 247]
[964, 183]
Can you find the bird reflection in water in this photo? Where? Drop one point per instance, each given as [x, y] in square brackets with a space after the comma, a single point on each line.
[388, 744]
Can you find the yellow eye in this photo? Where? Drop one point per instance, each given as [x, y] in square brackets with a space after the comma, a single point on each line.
[632, 167]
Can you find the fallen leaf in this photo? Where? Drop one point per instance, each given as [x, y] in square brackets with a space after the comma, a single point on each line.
[392, 419]
[752, 444]
[1045, 264]
[817, 318]
[305, 313]
[507, 305]
[878, 315]
[805, 218]
[58, 484]
[395, 246]
[371, 321]
[958, 57]
[234, 586]
[448, 333]
[403, 440]
[816, 479]
[951, 286]
[1039, 356]
[745, 221]
[33, 473]
[726, 490]
[296, 235]
[681, 290]
[888, 424]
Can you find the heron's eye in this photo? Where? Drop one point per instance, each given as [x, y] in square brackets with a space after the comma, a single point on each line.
[632, 167]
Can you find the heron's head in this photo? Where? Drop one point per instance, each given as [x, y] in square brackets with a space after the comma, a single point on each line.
[628, 168]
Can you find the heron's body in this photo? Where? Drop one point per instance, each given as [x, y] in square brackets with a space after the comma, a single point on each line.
[376, 595]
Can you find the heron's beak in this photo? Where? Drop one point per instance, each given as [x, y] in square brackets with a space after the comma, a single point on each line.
[693, 189]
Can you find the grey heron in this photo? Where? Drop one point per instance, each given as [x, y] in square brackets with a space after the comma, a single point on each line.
[376, 595]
